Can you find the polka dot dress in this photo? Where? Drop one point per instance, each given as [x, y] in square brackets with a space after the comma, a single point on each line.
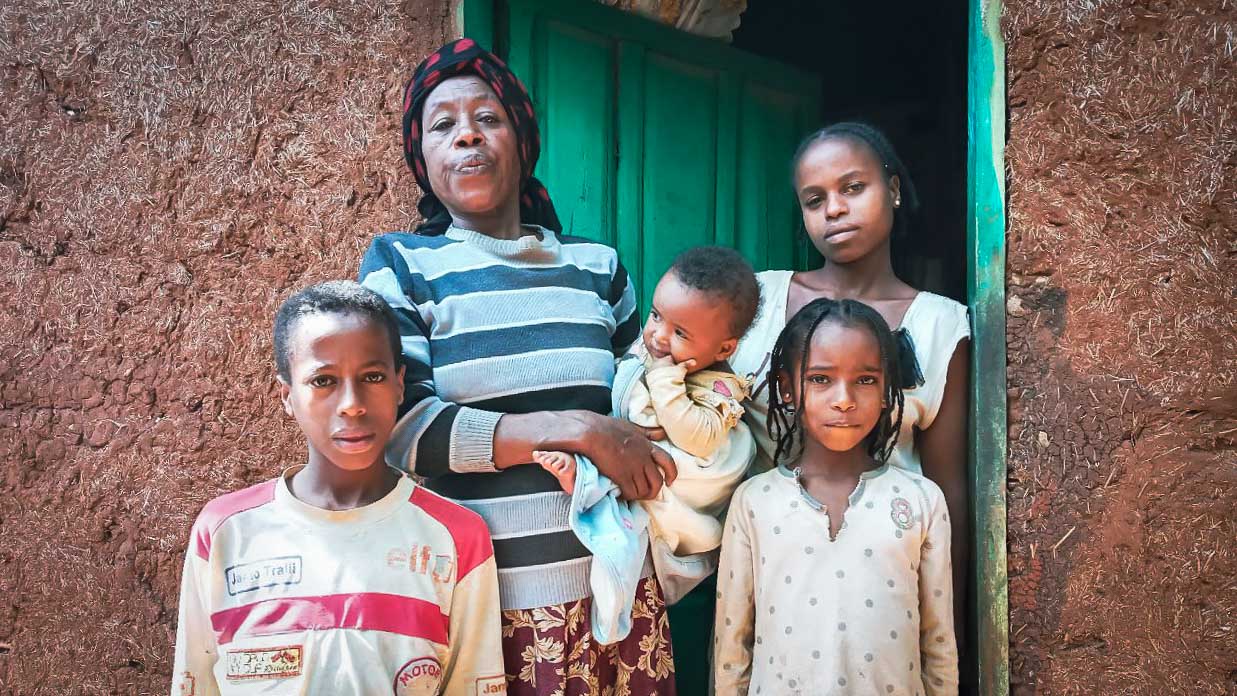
[867, 613]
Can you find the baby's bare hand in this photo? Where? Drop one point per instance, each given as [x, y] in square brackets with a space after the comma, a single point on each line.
[654, 434]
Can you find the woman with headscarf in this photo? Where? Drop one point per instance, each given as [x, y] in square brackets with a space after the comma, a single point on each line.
[509, 333]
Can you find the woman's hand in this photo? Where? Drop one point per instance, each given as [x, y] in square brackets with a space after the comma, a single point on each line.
[625, 453]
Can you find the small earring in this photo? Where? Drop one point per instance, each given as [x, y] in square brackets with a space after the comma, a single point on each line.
[897, 202]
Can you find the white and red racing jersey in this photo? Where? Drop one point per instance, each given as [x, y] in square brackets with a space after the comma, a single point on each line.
[396, 597]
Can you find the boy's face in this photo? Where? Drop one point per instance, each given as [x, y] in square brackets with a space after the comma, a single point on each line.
[688, 324]
[344, 389]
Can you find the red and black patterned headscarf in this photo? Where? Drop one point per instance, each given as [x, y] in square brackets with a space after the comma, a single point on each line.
[465, 57]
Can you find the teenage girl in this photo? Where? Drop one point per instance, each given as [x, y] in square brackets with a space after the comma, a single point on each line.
[835, 570]
[855, 195]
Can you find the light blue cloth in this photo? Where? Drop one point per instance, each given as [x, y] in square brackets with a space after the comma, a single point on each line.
[616, 533]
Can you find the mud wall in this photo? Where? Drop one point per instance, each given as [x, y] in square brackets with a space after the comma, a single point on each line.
[167, 175]
[1121, 346]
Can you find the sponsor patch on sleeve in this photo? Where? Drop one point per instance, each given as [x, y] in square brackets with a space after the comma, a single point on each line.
[187, 685]
[490, 686]
[265, 663]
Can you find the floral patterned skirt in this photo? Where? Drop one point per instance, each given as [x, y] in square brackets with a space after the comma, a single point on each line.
[550, 651]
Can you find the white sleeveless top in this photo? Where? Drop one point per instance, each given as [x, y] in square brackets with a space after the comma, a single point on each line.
[935, 324]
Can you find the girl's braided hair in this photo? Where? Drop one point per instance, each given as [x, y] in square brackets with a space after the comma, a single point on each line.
[791, 350]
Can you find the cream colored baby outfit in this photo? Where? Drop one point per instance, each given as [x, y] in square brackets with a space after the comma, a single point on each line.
[712, 448]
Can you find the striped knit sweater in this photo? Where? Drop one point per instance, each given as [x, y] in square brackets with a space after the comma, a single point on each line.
[488, 327]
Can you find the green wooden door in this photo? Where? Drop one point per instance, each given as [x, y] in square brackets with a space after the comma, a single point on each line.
[655, 140]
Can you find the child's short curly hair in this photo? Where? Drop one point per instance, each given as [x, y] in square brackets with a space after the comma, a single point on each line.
[331, 297]
[724, 273]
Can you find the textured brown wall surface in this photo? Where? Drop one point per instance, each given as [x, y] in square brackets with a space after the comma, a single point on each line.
[1121, 346]
[167, 175]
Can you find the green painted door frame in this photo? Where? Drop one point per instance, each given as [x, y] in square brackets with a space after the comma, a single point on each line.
[985, 241]
[986, 297]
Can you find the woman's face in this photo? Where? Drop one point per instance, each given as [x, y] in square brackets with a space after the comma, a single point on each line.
[846, 202]
[471, 154]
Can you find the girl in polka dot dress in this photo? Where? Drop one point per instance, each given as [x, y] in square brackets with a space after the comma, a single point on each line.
[835, 570]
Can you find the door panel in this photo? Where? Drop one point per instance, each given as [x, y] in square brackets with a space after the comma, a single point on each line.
[679, 163]
[575, 94]
[769, 217]
[655, 140]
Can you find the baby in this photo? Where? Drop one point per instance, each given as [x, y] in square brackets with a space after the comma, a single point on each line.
[682, 384]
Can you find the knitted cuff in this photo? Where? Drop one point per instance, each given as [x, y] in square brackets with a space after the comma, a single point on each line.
[472, 441]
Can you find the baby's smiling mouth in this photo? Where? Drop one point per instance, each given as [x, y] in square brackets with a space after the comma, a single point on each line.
[659, 354]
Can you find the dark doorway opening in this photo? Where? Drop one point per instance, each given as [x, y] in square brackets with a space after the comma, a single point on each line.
[901, 67]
